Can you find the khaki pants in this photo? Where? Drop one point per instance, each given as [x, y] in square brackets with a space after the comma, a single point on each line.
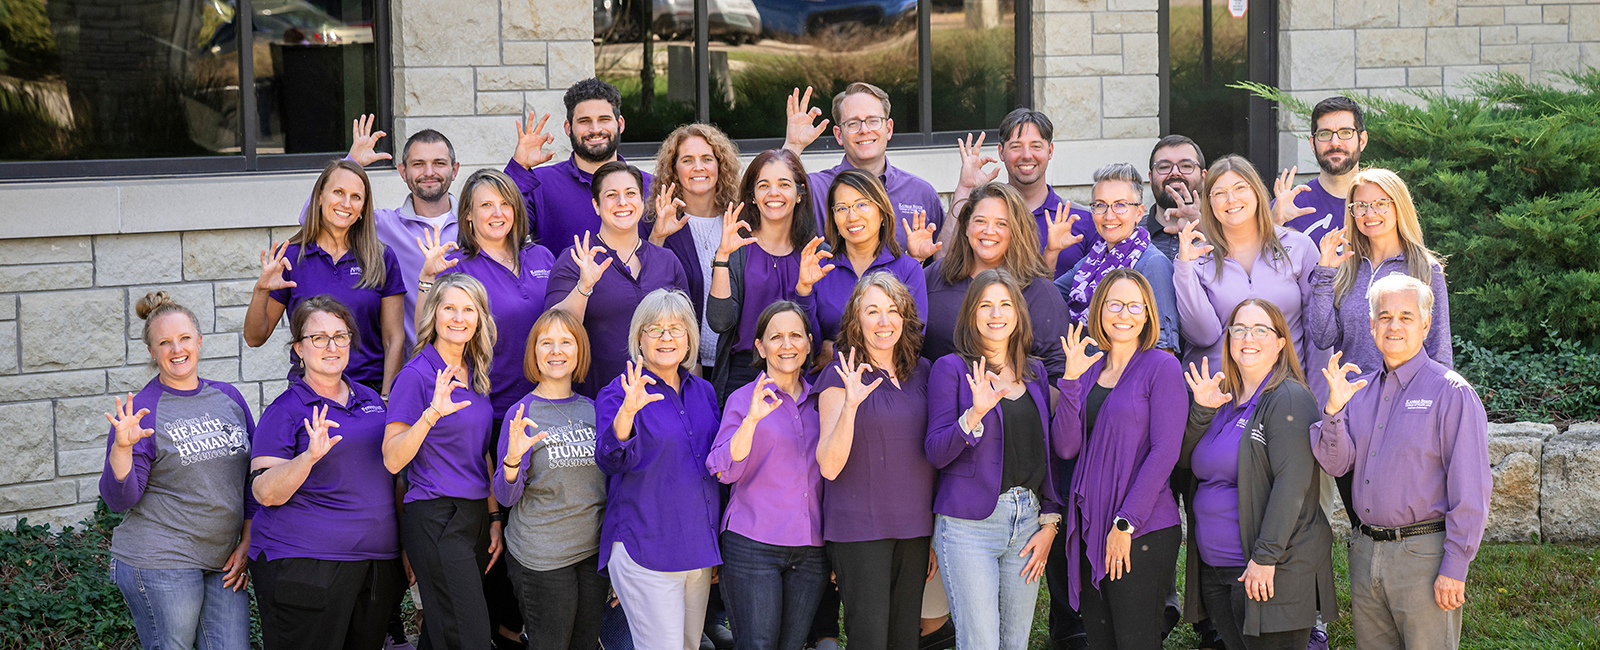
[1391, 595]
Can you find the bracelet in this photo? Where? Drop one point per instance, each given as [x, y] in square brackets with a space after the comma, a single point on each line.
[425, 416]
[510, 466]
[585, 294]
[722, 264]
[424, 287]
[498, 515]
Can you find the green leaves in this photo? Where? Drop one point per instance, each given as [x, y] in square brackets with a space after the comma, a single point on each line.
[55, 591]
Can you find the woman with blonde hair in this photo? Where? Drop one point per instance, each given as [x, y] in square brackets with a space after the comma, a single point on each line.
[438, 431]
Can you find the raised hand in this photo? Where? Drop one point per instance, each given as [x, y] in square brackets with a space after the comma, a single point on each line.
[1340, 390]
[1188, 210]
[1207, 387]
[273, 267]
[985, 393]
[973, 162]
[1284, 190]
[433, 253]
[317, 430]
[126, 423]
[364, 142]
[634, 395]
[1059, 235]
[732, 240]
[801, 128]
[1331, 257]
[920, 242]
[589, 268]
[444, 382]
[764, 400]
[811, 268]
[669, 215]
[520, 441]
[1076, 347]
[1191, 242]
[855, 391]
[530, 151]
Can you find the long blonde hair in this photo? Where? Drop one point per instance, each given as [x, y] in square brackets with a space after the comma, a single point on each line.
[723, 149]
[479, 352]
[1419, 260]
[1213, 228]
[363, 234]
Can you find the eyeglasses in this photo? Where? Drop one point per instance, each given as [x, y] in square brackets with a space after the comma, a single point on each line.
[1116, 307]
[321, 341]
[1326, 135]
[656, 332]
[1120, 207]
[1380, 206]
[870, 124]
[1185, 167]
[861, 208]
[1238, 192]
[1258, 332]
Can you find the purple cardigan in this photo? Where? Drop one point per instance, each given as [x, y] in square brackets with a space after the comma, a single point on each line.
[1123, 469]
[970, 467]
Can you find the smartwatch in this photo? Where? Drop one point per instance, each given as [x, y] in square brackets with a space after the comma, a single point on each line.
[1123, 526]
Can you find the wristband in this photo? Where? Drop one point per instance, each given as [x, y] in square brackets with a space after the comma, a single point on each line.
[424, 287]
[498, 515]
[721, 264]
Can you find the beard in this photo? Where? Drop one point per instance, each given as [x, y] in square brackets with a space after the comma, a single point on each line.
[1164, 199]
[595, 154]
[1349, 163]
[436, 194]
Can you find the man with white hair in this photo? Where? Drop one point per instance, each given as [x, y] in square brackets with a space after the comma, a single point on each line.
[1416, 436]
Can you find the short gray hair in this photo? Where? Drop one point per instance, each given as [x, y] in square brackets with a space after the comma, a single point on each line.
[1123, 172]
[659, 305]
[1395, 283]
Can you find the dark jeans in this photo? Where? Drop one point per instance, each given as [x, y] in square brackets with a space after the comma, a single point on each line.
[1065, 623]
[880, 584]
[324, 604]
[1128, 613]
[825, 624]
[771, 591]
[1224, 598]
[562, 608]
[497, 588]
[739, 373]
[447, 542]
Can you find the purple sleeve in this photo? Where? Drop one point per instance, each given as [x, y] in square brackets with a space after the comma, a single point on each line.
[1197, 319]
[508, 493]
[1048, 311]
[947, 393]
[720, 461]
[409, 397]
[1322, 317]
[528, 184]
[1084, 227]
[122, 495]
[1464, 429]
[284, 295]
[917, 282]
[277, 435]
[393, 283]
[1066, 426]
[250, 505]
[1333, 448]
[1166, 440]
[563, 278]
[611, 455]
[1438, 344]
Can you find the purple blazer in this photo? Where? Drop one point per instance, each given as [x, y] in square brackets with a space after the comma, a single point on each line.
[970, 467]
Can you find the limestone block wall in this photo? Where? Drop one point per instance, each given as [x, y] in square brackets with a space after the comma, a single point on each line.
[1095, 69]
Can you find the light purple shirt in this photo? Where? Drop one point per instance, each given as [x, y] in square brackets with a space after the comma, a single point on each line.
[1417, 438]
[515, 301]
[777, 489]
[560, 203]
[1204, 302]
[907, 191]
[1347, 326]
[1329, 213]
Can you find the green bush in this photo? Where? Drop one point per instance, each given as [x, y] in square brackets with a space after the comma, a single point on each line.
[1557, 382]
[55, 591]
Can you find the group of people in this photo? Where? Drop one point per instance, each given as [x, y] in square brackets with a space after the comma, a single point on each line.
[577, 388]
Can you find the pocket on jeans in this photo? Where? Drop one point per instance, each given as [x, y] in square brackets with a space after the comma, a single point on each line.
[1429, 547]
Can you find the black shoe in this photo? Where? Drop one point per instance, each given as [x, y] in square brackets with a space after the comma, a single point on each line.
[940, 639]
[720, 636]
[1080, 642]
[500, 642]
[705, 642]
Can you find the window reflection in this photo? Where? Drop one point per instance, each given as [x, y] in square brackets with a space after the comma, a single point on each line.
[974, 63]
[315, 64]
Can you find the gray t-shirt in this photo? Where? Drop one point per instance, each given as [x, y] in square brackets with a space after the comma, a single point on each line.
[192, 471]
[555, 521]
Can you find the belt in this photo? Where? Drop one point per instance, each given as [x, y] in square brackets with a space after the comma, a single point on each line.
[1391, 534]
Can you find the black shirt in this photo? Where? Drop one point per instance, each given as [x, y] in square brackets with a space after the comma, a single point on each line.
[1097, 398]
[1024, 460]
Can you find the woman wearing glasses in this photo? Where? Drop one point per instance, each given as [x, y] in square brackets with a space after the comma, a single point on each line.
[860, 234]
[1118, 198]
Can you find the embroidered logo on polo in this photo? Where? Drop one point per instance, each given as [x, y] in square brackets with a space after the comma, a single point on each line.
[372, 408]
[909, 208]
[355, 271]
[541, 273]
[1419, 404]
[204, 438]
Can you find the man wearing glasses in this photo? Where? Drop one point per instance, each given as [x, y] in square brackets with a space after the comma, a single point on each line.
[1176, 170]
[1338, 135]
[863, 127]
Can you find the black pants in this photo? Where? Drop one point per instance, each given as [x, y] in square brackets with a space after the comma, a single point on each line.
[1127, 613]
[825, 624]
[447, 542]
[739, 373]
[562, 608]
[497, 589]
[880, 584]
[1347, 486]
[1224, 598]
[1065, 623]
[324, 604]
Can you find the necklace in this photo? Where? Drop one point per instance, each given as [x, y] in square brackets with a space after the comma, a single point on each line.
[552, 402]
[636, 244]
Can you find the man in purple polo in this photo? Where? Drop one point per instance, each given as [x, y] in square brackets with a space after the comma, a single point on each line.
[559, 201]
[1177, 170]
[863, 127]
[1338, 135]
[1416, 436]
[1026, 147]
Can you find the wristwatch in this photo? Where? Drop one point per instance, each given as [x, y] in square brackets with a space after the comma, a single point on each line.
[1123, 525]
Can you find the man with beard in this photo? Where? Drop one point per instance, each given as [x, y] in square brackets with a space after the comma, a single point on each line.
[863, 128]
[1338, 135]
[1026, 147]
[1177, 169]
[560, 205]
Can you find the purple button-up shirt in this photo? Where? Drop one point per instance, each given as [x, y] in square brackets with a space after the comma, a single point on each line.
[1047, 312]
[610, 309]
[1347, 326]
[661, 503]
[1083, 227]
[1417, 438]
[907, 191]
[453, 459]
[1329, 213]
[885, 490]
[832, 293]
[317, 273]
[344, 511]
[1204, 301]
[777, 489]
[560, 203]
[515, 302]
[1123, 469]
[970, 467]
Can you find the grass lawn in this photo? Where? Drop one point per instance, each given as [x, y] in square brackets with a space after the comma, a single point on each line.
[1519, 596]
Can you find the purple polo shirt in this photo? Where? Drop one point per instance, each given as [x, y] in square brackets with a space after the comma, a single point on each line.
[1124, 466]
[1047, 312]
[907, 191]
[1216, 503]
[610, 308]
[1084, 227]
[971, 467]
[1417, 438]
[1347, 326]
[344, 510]
[767, 279]
[1204, 301]
[515, 301]
[316, 273]
[777, 489]
[885, 490]
[452, 460]
[832, 292]
[661, 503]
[1328, 217]
[560, 203]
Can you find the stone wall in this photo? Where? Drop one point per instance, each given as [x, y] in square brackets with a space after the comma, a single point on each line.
[1095, 66]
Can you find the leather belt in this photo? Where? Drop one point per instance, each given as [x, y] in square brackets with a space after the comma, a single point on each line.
[1391, 534]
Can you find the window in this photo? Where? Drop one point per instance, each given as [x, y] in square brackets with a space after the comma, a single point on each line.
[948, 65]
[110, 87]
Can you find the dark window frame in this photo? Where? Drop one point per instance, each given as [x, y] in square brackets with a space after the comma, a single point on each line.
[248, 161]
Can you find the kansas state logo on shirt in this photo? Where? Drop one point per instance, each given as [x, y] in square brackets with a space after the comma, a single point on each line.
[1419, 404]
[908, 208]
[355, 271]
[541, 273]
[372, 408]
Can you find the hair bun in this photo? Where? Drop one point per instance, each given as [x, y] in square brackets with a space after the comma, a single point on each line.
[152, 301]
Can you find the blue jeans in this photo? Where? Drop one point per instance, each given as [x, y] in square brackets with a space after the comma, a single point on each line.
[771, 591]
[179, 609]
[990, 601]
